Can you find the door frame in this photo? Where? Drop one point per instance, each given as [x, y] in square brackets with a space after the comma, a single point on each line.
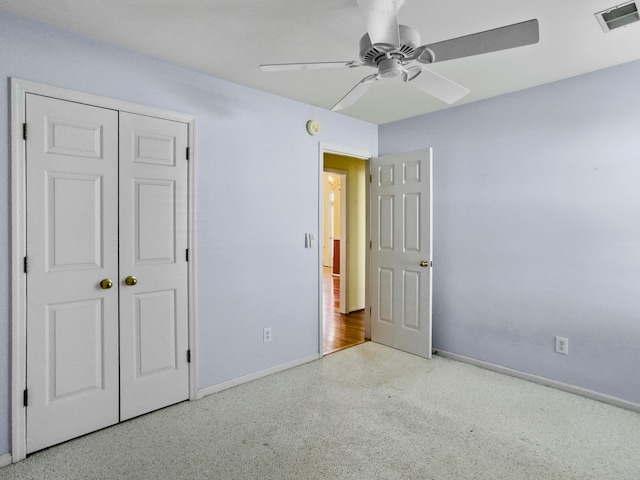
[19, 90]
[347, 152]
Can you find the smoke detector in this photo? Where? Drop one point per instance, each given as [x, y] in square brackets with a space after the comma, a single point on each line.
[616, 17]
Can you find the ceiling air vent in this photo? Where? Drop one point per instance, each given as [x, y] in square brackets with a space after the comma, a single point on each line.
[619, 16]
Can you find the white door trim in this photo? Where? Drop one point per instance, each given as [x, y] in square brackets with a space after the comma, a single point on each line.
[349, 152]
[19, 90]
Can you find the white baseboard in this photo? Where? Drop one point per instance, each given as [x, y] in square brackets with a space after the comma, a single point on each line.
[601, 397]
[356, 308]
[5, 460]
[203, 392]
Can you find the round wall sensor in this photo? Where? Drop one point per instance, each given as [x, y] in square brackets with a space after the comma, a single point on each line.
[313, 127]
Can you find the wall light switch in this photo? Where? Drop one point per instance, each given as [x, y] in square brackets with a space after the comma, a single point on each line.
[309, 240]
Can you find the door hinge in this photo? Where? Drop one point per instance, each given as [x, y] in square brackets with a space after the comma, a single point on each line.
[25, 397]
[26, 264]
[188, 356]
[188, 153]
[187, 256]
[370, 178]
[370, 244]
[24, 131]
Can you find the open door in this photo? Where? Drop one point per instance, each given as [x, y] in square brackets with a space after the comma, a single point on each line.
[401, 251]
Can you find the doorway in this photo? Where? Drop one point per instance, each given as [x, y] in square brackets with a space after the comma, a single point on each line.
[344, 235]
[396, 244]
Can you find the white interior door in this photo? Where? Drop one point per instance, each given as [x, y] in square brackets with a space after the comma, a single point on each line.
[72, 245]
[153, 247]
[401, 251]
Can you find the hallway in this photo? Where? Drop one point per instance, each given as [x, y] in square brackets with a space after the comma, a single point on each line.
[340, 331]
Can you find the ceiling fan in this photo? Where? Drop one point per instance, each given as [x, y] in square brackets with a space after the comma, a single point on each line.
[390, 48]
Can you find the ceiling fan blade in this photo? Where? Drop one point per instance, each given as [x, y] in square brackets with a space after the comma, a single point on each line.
[381, 18]
[503, 38]
[356, 92]
[437, 86]
[283, 67]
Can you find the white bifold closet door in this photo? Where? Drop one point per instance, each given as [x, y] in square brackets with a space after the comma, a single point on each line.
[106, 200]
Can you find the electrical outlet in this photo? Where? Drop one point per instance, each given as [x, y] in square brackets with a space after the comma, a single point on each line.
[562, 345]
[266, 335]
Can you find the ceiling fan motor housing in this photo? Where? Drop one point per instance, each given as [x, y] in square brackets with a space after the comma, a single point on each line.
[379, 56]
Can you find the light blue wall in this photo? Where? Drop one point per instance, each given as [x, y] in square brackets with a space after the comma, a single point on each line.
[537, 228]
[257, 194]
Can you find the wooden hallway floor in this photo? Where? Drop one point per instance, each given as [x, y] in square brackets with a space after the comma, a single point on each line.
[340, 331]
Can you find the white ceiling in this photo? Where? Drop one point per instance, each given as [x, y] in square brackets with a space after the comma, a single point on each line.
[231, 38]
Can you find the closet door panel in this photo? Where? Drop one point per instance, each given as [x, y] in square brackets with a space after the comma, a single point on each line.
[153, 243]
[72, 245]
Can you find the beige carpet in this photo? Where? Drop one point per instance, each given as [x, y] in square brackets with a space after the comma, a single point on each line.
[369, 412]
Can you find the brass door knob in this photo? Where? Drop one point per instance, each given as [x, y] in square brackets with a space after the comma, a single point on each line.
[106, 284]
[131, 280]
[424, 263]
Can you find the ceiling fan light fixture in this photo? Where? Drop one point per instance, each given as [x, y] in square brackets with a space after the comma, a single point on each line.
[618, 16]
[389, 67]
